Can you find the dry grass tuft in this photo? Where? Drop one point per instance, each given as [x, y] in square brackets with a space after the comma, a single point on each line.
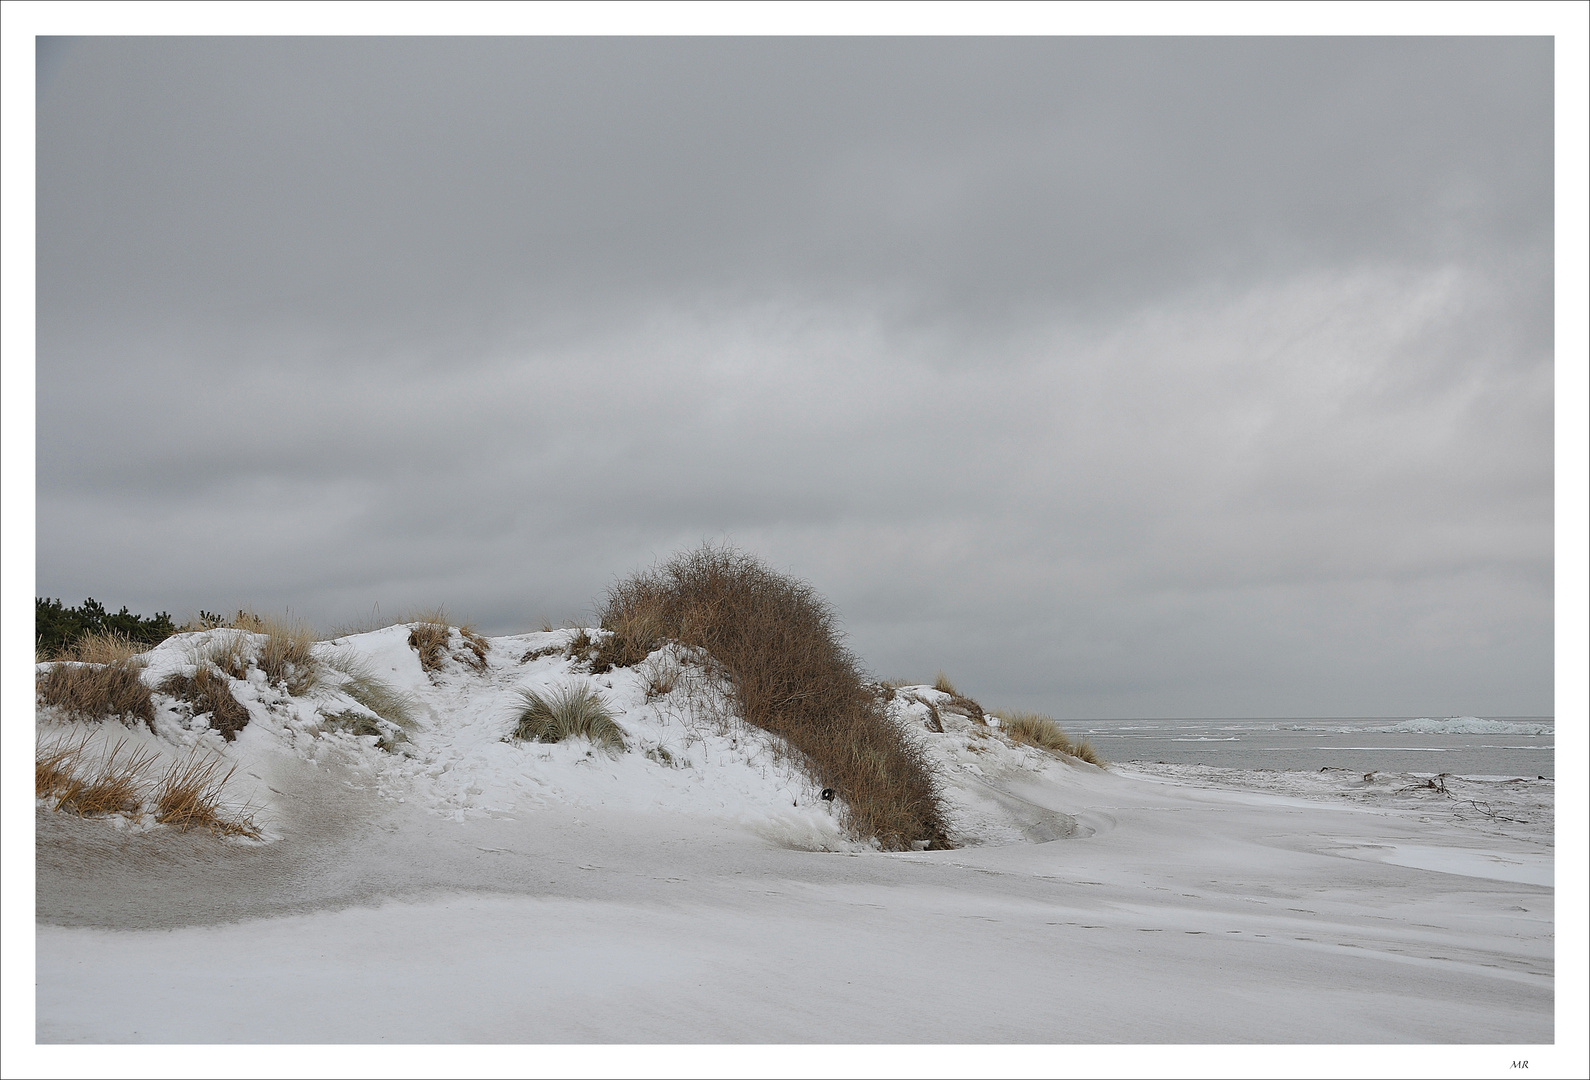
[286, 656]
[354, 722]
[55, 764]
[663, 757]
[230, 654]
[958, 702]
[107, 787]
[662, 675]
[429, 636]
[189, 797]
[582, 648]
[209, 690]
[103, 649]
[85, 690]
[1041, 731]
[475, 648]
[777, 644]
[573, 711]
[631, 637]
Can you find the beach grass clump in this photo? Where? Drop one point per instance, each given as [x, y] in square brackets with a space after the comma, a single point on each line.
[958, 702]
[431, 636]
[1041, 731]
[55, 763]
[112, 785]
[375, 694]
[101, 678]
[231, 654]
[777, 645]
[286, 656]
[573, 711]
[189, 796]
[281, 648]
[428, 636]
[393, 711]
[209, 691]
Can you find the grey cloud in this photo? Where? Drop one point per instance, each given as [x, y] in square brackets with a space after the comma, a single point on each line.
[1115, 377]
[469, 186]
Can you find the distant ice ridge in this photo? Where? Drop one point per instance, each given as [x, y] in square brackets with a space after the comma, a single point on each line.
[1466, 725]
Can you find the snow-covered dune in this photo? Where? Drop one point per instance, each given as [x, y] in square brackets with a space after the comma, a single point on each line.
[463, 887]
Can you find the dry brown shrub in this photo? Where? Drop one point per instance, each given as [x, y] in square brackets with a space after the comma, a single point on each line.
[209, 691]
[777, 644]
[189, 796]
[108, 786]
[941, 683]
[97, 691]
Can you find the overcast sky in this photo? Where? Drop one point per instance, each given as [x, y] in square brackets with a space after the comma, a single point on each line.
[1114, 377]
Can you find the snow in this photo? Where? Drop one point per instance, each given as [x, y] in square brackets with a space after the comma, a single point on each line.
[1464, 725]
[471, 889]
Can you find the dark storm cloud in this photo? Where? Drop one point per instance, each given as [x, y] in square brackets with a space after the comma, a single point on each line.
[1115, 376]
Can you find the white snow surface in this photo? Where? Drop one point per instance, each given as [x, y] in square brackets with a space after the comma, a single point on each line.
[1465, 725]
[697, 888]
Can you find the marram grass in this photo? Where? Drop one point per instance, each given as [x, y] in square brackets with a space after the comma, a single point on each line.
[574, 711]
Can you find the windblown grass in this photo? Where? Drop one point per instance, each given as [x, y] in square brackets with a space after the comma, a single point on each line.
[188, 796]
[777, 644]
[1034, 729]
[209, 690]
[392, 708]
[108, 786]
[55, 763]
[108, 685]
[375, 694]
[574, 711]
